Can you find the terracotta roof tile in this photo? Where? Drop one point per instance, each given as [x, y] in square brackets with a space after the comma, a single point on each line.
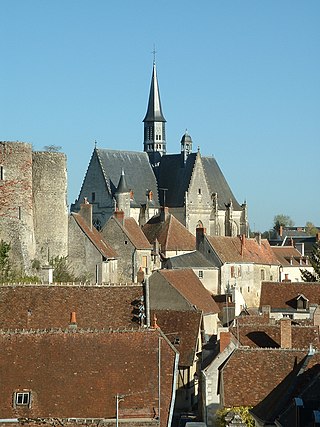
[171, 234]
[282, 295]
[189, 285]
[286, 253]
[229, 250]
[270, 367]
[135, 234]
[50, 306]
[95, 237]
[182, 330]
[78, 374]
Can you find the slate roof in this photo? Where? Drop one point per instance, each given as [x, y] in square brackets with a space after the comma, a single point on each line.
[138, 172]
[270, 367]
[171, 234]
[95, 237]
[190, 260]
[78, 374]
[228, 250]
[182, 329]
[154, 110]
[269, 336]
[190, 287]
[176, 177]
[283, 295]
[50, 306]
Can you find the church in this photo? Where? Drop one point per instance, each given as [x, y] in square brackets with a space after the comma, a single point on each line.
[191, 186]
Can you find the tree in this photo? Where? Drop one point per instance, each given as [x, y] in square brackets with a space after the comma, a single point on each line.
[306, 275]
[4, 261]
[282, 220]
[311, 229]
[62, 271]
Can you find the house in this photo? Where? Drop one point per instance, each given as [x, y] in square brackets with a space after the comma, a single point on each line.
[42, 306]
[298, 300]
[90, 376]
[183, 329]
[90, 256]
[134, 249]
[168, 236]
[207, 273]
[291, 261]
[182, 290]
[192, 186]
[298, 237]
[244, 264]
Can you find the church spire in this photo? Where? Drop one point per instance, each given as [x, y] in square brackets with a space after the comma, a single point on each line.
[154, 123]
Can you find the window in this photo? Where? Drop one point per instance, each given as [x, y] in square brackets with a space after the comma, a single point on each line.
[262, 274]
[200, 274]
[22, 398]
[199, 190]
[232, 271]
[1, 173]
[144, 261]
[93, 197]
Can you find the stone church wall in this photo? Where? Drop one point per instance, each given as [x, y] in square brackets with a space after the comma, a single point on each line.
[50, 205]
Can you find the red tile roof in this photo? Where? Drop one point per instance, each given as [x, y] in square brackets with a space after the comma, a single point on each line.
[251, 374]
[171, 234]
[95, 237]
[281, 295]
[190, 287]
[50, 306]
[78, 374]
[229, 250]
[182, 329]
[288, 254]
[135, 234]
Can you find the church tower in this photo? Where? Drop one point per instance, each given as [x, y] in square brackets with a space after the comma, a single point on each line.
[154, 124]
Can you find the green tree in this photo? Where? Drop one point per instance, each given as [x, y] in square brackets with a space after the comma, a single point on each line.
[62, 270]
[306, 275]
[282, 220]
[311, 229]
[4, 261]
[243, 411]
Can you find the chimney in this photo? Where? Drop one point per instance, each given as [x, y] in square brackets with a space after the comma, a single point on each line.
[73, 321]
[150, 195]
[318, 237]
[164, 212]
[286, 278]
[280, 230]
[266, 310]
[140, 275]
[316, 316]
[86, 212]
[155, 325]
[285, 333]
[225, 339]
[119, 215]
[200, 233]
[258, 238]
[243, 243]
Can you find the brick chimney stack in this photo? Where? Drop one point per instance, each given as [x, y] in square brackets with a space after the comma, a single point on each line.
[86, 212]
[164, 212]
[286, 333]
[73, 321]
[225, 339]
[243, 243]
[119, 215]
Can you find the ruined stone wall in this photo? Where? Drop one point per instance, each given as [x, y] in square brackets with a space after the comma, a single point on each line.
[16, 210]
[49, 182]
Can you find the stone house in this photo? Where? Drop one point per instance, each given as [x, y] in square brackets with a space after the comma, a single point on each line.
[291, 262]
[183, 330]
[87, 376]
[192, 186]
[168, 236]
[90, 256]
[244, 264]
[33, 207]
[134, 249]
[182, 290]
[295, 300]
[207, 273]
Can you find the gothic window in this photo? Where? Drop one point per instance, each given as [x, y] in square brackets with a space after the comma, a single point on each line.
[97, 223]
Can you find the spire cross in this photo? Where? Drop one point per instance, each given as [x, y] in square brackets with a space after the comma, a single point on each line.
[154, 54]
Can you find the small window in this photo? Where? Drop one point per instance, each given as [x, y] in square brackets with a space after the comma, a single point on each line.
[93, 197]
[1, 173]
[126, 242]
[263, 274]
[200, 274]
[22, 398]
[19, 212]
[199, 190]
[248, 288]
[144, 261]
[232, 271]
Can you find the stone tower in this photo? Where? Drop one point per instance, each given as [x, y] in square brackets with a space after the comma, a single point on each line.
[154, 124]
[33, 206]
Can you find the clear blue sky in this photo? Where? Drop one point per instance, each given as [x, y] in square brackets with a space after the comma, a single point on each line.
[242, 76]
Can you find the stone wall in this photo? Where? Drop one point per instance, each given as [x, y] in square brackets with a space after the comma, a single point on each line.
[49, 182]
